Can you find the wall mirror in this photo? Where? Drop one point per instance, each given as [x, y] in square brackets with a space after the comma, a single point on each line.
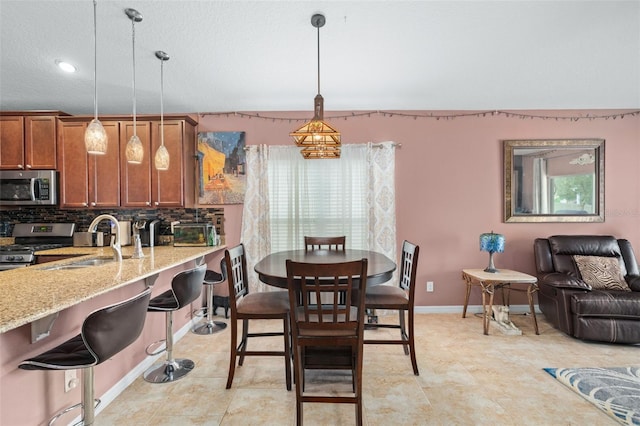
[554, 180]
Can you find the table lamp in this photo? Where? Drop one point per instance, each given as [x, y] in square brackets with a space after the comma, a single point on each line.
[492, 243]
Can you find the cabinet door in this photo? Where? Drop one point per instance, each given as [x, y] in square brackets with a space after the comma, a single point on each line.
[136, 178]
[104, 171]
[168, 185]
[88, 180]
[12, 142]
[73, 165]
[40, 142]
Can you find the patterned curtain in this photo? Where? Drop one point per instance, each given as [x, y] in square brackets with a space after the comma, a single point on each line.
[382, 204]
[256, 234]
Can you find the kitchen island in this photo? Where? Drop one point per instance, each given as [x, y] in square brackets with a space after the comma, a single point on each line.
[34, 292]
[37, 293]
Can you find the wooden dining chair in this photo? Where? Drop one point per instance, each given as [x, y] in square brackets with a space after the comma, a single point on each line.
[327, 336]
[246, 306]
[326, 243]
[400, 298]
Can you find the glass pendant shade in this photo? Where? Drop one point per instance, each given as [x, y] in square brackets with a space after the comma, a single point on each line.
[134, 151]
[162, 158]
[95, 138]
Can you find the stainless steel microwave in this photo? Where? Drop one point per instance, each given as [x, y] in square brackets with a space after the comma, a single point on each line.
[28, 187]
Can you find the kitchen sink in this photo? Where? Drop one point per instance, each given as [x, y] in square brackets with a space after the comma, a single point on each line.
[85, 263]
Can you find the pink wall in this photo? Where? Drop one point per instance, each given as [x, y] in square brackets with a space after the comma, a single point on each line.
[449, 183]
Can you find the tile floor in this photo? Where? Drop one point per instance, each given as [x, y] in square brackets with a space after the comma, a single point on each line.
[466, 378]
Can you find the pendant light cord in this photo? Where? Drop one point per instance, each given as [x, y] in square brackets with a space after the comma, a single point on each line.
[318, 60]
[95, 62]
[133, 38]
[162, 102]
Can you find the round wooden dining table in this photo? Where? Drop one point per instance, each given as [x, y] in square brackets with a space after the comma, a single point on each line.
[272, 269]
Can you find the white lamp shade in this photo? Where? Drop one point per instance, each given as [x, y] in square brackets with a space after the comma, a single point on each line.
[134, 151]
[95, 138]
[162, 158]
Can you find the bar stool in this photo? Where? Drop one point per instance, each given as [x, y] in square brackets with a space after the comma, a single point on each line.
[104, 333]
[186, 286]
[209, 326]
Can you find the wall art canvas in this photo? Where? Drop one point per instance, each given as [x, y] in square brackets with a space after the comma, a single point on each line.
[221, 162]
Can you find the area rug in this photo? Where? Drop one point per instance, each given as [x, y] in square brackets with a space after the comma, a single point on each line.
[616, 391]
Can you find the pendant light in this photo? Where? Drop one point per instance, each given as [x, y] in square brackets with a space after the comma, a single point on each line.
[134, 151]
[317, 138]
[162, 155]
[95, 137]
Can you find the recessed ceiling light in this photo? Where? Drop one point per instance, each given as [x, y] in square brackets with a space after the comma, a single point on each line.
[66, 66]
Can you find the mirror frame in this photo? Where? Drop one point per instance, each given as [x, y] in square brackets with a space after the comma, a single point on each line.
[510, 146]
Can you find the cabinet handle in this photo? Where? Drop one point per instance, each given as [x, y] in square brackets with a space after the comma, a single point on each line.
[157, 203]
[20, 166]
[148, 203]
[28, 166]
[84, 204]
[93, 204]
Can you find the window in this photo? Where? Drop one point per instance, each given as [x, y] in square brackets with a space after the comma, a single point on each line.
[318, 197]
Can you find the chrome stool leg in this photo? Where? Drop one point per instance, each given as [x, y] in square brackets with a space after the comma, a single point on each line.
[209, 326]
[171, 369]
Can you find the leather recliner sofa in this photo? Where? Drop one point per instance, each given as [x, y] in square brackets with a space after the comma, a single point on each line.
[572, 305]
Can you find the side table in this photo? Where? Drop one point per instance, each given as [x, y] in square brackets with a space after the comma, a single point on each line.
[504, 279]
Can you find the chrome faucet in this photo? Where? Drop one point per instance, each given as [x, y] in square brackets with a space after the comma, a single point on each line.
[115, 240]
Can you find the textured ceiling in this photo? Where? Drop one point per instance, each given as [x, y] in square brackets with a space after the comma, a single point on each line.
[375, 55]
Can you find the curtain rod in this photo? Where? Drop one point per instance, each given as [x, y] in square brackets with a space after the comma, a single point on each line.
[375, 145]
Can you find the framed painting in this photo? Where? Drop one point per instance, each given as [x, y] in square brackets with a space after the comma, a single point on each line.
[221, 168]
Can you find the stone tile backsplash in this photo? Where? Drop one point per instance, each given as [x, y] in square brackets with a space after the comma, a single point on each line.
[82, 218]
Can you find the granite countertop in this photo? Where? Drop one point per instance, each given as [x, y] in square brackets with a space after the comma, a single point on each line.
[32, 293]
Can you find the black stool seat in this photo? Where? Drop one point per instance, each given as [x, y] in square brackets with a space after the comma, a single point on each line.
[213, 277]
[104, 333]
[70, 355]
[164, 302]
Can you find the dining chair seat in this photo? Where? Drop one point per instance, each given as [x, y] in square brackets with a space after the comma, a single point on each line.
[264, 303]
[386, 295]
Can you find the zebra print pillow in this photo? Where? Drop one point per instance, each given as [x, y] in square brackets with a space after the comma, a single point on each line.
[601, 273]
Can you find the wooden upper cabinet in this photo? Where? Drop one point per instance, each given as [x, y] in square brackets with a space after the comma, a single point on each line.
[40, 142]
[136, 178]
[28, 142]
[73, 165]
[104, 171]
[168, 187]
[12, 142]
[88, 180]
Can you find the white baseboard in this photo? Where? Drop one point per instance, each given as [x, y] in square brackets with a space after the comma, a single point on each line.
[471, 309]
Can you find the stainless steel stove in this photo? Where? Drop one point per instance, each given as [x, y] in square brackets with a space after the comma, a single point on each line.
[33, 237]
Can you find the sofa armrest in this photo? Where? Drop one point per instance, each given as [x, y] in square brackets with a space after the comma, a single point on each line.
[634, 282]
[559, 280]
